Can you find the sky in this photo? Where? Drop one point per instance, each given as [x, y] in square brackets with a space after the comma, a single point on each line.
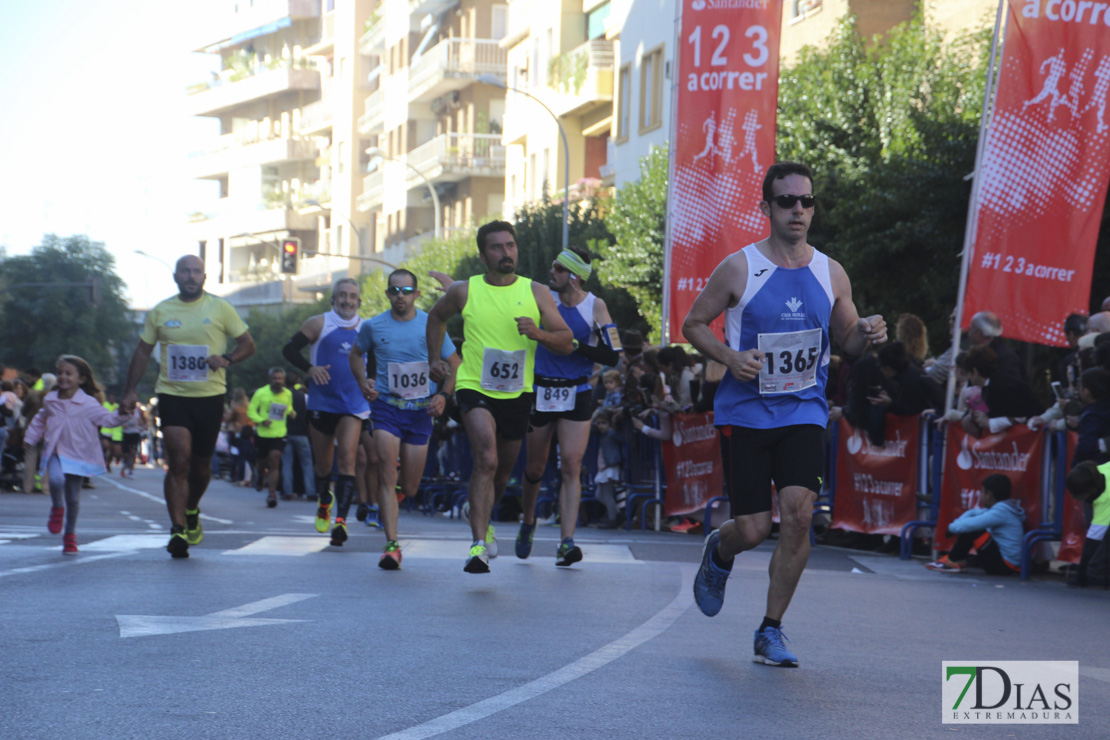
[95, 138]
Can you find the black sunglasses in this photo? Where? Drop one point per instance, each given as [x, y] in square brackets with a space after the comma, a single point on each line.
[399, 290]
[788, 201]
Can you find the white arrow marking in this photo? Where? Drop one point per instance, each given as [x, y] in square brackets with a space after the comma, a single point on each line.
[135, 625]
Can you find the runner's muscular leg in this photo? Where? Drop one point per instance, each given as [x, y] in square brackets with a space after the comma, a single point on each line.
[323, 451]
[179, 451]
[573, 438]
[347, 435]
[507, 453]
[743, 533]
[792, 551]
[200, 474]
[481, 431]
[388, 448]
[538, 443]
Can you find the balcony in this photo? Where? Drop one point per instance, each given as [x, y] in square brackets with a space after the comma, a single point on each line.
[373, 119]
[373, 191]
[232, 151]
[252, 218]
[325, 46]
[316, 118]
[455, 157]
[261, 18]
[221, 96]
[373, 41]
[582, 79]
[453, 64]
[424, 7]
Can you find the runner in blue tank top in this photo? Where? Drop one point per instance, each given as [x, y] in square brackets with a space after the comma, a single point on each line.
[336, 407]
[782, 300]
[564, 400]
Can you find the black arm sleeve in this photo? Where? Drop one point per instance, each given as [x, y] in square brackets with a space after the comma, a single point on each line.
[292, 352]
[599, 353]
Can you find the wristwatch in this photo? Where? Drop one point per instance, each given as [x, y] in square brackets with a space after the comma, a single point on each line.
[227, 356]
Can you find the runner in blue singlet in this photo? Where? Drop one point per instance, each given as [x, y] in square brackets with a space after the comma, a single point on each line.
[783, 301]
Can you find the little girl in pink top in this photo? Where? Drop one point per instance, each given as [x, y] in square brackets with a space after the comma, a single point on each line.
[69, 421]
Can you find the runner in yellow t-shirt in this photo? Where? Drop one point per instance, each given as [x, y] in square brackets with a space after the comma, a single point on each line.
[192, 329]
[270, 406]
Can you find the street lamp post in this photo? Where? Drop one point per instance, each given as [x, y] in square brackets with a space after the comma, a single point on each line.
[141, 253]
[377, 152]
[494, 80]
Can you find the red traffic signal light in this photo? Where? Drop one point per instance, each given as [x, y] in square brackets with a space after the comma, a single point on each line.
[290, 250]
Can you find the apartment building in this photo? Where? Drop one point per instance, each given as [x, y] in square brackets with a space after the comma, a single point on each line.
[559, 58]
[285, 102]
[438, 161]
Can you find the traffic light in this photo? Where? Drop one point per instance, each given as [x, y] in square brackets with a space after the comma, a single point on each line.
[290, 250]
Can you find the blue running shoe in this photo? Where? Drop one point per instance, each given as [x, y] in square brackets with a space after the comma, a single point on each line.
[771, 650]
[709, 585]
[524, 540]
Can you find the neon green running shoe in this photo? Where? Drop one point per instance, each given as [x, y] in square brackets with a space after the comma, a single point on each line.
[391, 556]
[194, 532]
[478, 562]
[323, 513]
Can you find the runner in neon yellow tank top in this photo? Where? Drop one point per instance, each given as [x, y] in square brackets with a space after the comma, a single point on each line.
[502, 314]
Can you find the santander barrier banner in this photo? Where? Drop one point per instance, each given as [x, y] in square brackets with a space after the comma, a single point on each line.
[1074, 531]
[875, 486]
[1017, 453]
[724, 140]
[1042, 179]
[693, 462]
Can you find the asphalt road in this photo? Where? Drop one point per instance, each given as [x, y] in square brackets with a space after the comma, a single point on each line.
[267, 632]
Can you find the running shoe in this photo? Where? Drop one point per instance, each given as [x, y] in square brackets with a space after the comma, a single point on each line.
[271, 501]
[69, 544]
[709, 585]
[524, 540]
[323, 512]
[568, 553]
[54, 523]
[178, 546]
[194, 532]
[372, 517]
[771, 650]
[391, 556]
[491, 542]
[478, 562]
[944, 565]
[339, 532]
[363, 511]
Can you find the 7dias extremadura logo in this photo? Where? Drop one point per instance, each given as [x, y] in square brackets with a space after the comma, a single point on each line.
[1010, 692]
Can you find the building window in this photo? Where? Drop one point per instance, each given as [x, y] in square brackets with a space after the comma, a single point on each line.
[500, 22]
[651, 90]
[801, 7]
[624, 102]
[595, 21]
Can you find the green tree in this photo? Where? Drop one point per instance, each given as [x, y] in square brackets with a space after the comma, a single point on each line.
[270, 331]
[890, 128]
[633, 260]
[51, 307]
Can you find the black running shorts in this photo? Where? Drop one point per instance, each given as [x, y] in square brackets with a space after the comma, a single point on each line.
[510, 415]
[201, 416]
[755, 458]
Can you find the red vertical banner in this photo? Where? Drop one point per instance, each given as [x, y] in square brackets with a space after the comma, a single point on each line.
[693, 462]
[1017, 453]
[723, 140]
[1044, 169]
[876, 486]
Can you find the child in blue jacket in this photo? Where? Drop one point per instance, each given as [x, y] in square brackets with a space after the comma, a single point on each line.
[994, 531]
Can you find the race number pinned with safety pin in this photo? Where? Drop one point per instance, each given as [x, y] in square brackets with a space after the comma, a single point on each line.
[188, 363]
[503, 370]
[789, 361]
[555, 400]
[408, 380]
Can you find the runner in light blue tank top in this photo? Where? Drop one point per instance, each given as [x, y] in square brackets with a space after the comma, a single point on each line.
[783, 302]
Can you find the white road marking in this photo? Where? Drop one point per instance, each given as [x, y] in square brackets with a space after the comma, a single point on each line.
[541, 551]
[134, 625]
[62, 564]
[127, 542]
[161, 500]
[1099, 674]
[581, 667]
[294, 546]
